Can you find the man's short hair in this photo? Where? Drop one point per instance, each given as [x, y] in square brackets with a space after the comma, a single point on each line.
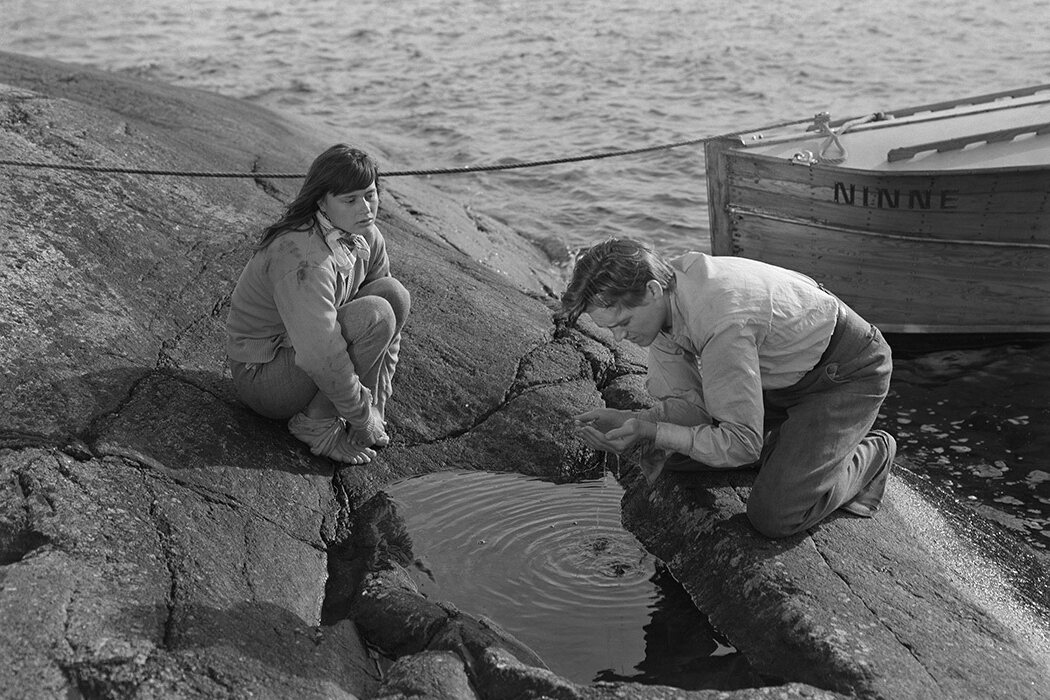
[613, 273]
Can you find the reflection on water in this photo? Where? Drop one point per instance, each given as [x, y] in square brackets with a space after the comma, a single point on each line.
[977, 421]
[682, 650]
[553, 566]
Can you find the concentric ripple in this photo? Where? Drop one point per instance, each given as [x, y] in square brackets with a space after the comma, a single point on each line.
[549, 563]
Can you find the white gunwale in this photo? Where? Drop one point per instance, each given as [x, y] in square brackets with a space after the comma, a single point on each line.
[754, 139]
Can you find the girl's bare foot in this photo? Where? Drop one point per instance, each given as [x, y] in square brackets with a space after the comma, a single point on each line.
[383, 439]
[372, 433]
[327, 437]
[349, 453]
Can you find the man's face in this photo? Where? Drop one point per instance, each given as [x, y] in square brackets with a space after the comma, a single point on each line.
[639, 324]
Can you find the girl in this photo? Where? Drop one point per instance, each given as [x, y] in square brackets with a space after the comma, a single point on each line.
[315, 321]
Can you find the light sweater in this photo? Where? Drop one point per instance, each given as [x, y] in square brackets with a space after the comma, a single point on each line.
[288, 295]
[745, 327]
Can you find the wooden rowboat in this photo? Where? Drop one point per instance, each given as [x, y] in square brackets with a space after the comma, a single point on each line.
[930, 219]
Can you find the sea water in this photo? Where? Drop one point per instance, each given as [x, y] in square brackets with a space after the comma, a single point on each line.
[443, 83]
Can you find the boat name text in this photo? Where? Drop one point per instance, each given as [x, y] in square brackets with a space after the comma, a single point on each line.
[887, 198]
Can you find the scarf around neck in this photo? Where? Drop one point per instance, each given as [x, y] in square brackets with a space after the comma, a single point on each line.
[345, 247]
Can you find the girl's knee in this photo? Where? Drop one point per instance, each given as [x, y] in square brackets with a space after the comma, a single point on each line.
[402, 301]
[368, 315]
[397, 289]
[395, 294]
[384, 318]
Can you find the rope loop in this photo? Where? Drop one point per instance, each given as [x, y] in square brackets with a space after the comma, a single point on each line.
[822, 122]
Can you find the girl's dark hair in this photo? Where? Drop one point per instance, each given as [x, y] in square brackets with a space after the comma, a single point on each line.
[339, 169]
[613, 273]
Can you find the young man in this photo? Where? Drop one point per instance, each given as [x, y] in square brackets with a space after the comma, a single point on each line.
[751, 364]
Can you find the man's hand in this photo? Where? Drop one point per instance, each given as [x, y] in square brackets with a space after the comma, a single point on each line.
[602, 419]
[618, 439]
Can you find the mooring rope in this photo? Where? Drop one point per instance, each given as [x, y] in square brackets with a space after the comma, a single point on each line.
[395, 173]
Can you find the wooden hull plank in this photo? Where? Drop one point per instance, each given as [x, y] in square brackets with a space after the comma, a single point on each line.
[899, 283]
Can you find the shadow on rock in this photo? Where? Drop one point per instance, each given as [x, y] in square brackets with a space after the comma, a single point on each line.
[192, 421]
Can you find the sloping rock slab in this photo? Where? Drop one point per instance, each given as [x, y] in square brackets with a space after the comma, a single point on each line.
[870, 608]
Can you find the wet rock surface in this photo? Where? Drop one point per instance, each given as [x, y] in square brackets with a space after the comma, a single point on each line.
[159, 540]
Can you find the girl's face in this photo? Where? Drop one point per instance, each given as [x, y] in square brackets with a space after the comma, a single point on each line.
[353, 212]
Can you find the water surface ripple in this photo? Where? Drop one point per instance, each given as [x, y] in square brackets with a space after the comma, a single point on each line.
[552, 565]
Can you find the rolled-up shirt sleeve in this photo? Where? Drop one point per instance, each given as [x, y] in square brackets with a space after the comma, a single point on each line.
[674, 381]
[305, 298]
[732, 397]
